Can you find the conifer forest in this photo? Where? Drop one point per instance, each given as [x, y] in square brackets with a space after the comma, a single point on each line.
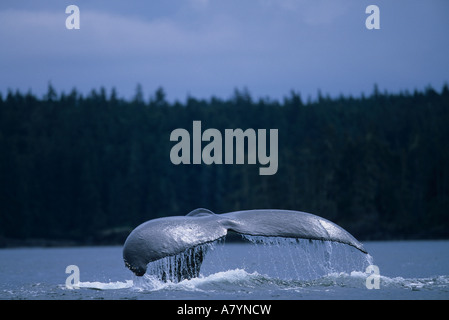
[89, 168]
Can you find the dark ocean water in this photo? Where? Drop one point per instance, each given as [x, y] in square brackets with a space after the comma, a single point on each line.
[270, 270]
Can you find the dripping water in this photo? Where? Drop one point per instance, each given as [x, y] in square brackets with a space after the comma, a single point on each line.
[305, 259]
[275, 257]
[184, 265]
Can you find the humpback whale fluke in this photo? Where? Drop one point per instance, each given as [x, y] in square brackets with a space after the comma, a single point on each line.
[171, 236]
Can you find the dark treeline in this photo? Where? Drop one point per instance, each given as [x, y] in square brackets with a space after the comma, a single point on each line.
[85, 168]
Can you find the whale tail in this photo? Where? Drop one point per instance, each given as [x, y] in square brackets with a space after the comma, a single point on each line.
[182, 240]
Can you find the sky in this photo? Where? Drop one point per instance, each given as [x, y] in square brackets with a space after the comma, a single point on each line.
[205, 48]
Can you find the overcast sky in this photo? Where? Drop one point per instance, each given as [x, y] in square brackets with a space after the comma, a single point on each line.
[208, 48]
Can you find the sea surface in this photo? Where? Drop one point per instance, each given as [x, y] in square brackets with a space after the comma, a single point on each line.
[260, 269]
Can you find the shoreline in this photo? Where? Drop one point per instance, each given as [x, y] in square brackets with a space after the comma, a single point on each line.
[66, 243]
[52, 243]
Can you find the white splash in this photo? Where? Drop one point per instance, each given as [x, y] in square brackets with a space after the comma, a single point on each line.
[106, 285]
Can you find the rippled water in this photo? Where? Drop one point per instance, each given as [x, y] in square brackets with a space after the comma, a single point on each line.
[270, 269]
